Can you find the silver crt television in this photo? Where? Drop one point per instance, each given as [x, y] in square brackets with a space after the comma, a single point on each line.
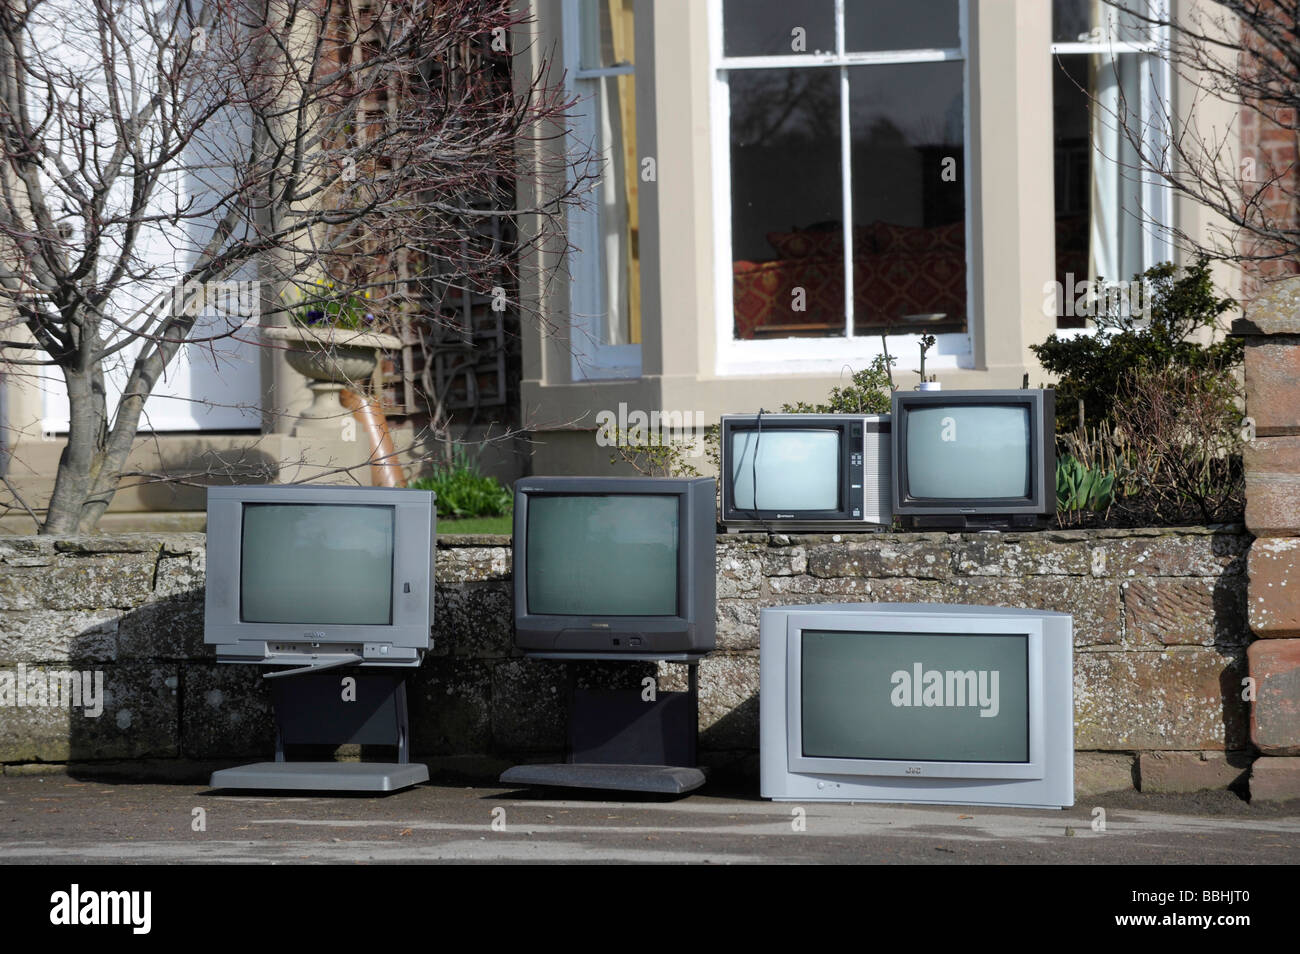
[805, 471]
[320, 576]
[929, 703]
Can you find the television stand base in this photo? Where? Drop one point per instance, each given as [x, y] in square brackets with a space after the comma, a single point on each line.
[626, 740]
[367, 777]
[655, 779]
[335, 707]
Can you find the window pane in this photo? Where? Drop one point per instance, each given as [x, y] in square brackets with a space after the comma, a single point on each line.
[871, 25]
[768, 27]
[909, 205]
[1095, 21]
[612, 289]
[606, 33]
[1100, 219]
[786, 206]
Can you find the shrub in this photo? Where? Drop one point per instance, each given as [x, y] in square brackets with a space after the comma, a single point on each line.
[1090, 368]
[1181, 434]
[869, 393]
[464, 491]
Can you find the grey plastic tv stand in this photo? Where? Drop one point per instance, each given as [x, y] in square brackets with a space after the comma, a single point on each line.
[620, 742]
[310, 709]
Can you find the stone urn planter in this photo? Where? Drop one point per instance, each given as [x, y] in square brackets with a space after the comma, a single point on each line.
[331, 359]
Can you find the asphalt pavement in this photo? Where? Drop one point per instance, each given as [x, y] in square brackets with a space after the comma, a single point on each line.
[62, 820]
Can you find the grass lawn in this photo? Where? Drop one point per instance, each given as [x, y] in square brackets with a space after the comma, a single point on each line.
[448, 525]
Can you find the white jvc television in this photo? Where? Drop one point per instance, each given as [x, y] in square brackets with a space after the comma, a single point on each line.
[913, 702]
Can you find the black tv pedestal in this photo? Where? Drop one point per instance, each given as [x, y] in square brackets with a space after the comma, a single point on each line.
[621, 741]
[311, 709]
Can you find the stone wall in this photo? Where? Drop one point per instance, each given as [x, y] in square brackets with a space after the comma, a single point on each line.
[1271, 328]
[1160, 641]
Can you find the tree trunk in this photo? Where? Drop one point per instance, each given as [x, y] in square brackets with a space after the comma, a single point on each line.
[82, 459]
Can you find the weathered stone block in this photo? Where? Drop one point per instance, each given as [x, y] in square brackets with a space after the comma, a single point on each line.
[881, 557]
[1098, 773]
[729, 701]
[1170, 772]
[1272, 504]
[737, 624]
[182, 575]
[451, 707]
[138, 718]
[1180, 699]
[1274, 780]
[792, 589]
[170, 628]
[1024, 555]
[27, 551]
[1275, 311]
[97, 543]
[226, 712]
[1200, 612]
[785, 561]
[1273, 380]
[1273, 601]
[528, 705]
[89, 584]
[740, 574]
[54, 636]
[1171, 555]
[1275, 713]
[1094, 604]
[471, 564]
[476, 619]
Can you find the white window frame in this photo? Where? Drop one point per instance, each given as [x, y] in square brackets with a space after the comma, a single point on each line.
[1155, 87]
[590, 358]
[802, 355]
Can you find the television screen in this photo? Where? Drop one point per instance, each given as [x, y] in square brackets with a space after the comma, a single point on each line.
[314, 564]
[795, 469]
[968, 452]
[602, 555]
[929, 697]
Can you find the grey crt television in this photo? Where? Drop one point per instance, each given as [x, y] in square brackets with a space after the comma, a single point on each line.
[805, 471]
[929, 703]
[320, 575]
[615, 566]
[974, 460]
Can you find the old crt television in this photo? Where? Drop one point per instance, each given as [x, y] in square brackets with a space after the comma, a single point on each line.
[615, 566]
[902, 702]
[974, 460]
[316, 575]
[805, 471]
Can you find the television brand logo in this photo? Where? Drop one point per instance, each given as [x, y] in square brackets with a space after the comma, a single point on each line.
[53, 689]
[635, 428]
[947, 688]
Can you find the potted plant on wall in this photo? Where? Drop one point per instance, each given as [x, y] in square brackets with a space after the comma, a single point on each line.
[331, 341]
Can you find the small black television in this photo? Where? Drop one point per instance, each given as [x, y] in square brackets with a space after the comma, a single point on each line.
[615, 566]
[805, 471]
[974, 460]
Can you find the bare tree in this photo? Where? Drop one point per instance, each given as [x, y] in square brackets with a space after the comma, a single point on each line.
[326, 143]
[1245, 53]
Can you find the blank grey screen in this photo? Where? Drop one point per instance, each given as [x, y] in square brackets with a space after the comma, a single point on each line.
[968, 451]
[316, 563]
[797, 470]
[862, 698]
[611, 555]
